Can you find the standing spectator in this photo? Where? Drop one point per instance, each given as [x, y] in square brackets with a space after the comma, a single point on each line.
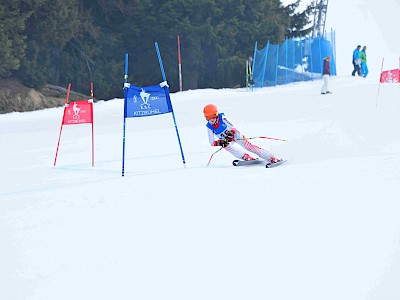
[356, 61]
[326, 73]
[363, 58]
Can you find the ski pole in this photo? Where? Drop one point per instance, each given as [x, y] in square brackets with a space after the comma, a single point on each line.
[263, 137]
[213, 155]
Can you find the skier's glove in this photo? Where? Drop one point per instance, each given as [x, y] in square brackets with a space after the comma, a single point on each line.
[230, 135]
[222, 143]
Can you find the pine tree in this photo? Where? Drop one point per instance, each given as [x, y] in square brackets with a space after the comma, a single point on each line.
[298, 21]
[12, 39]
[51, 26]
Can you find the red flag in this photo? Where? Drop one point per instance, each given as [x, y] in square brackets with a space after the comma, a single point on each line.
[78, 112]
[391, 76]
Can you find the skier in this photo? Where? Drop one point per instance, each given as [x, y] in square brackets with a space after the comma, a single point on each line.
[230, 138]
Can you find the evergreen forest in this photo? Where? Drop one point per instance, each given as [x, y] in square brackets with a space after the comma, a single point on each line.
[82, 41]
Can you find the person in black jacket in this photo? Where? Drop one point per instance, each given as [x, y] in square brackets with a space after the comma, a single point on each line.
[356, 61]
[326, 73]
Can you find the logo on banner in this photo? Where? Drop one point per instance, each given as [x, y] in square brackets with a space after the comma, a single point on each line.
[145, 99]
[76, 110]
[145, 106]
[391, 76]
[78, 113]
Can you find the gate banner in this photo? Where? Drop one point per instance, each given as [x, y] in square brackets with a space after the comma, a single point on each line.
[391, 76]
[78, 112]
[147, 101]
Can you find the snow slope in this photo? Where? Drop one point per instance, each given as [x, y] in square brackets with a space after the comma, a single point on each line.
[324, 226]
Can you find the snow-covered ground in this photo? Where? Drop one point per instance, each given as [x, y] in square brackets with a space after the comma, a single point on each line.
[325, 225]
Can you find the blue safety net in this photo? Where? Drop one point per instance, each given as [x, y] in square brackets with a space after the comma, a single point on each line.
[297, 59]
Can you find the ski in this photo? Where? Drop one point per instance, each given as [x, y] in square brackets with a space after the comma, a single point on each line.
[272, 165]
[239, 163]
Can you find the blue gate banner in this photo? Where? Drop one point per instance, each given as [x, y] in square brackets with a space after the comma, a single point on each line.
[147, 101]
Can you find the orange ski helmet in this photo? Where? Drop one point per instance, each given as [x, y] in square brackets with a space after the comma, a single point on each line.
[210, 111]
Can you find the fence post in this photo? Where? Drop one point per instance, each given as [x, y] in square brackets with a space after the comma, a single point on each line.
[254, 60]
[276, 65]
[333, 37]
[265, 64]
[293, 50]
[320, 54]
[311, 59]
[286, 48]
[301, 57]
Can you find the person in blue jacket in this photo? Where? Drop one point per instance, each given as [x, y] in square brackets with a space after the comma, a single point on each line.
[356, 61]
[229, 137]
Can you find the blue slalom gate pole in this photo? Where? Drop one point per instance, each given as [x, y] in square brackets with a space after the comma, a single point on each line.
[125, 104]
[173, 115]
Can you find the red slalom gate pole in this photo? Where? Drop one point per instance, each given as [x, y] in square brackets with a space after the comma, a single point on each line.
[179, 64]
[379, 85]
[59, 137]
[92, 99]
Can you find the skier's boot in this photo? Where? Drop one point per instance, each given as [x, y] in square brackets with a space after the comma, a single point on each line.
[247, 157]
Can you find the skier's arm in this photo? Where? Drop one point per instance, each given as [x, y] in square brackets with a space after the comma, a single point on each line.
[234, 133]
[229, 125]
[210, 136]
